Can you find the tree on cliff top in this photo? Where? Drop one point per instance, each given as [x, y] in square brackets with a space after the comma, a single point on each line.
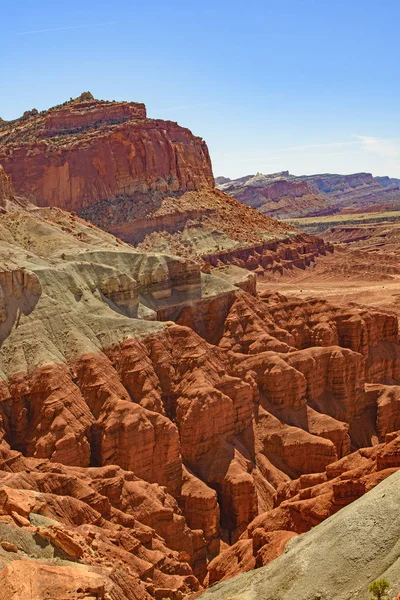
[379, 589]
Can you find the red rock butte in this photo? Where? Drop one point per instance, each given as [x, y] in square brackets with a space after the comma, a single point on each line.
[88, 150]
[147, 181]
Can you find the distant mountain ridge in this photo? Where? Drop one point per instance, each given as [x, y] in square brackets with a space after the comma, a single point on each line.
[285, 196]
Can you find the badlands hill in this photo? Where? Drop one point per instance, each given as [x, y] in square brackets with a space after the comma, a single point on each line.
[163, 428]
[285, 196]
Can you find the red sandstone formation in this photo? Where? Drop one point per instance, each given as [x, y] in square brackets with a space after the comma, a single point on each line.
[162, 424]
[144, 450]
[147, 181]
[8, 200]
[278, 195]
[88, 150]
[303, 503]
[357, 191]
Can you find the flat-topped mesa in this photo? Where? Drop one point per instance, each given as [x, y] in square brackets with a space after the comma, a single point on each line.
[147, 181]
[79, 116]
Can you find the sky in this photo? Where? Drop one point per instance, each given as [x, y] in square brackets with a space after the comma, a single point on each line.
[309, 86]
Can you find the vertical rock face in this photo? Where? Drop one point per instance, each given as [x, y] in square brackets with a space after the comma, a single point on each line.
[89, 150]
[200, 506]
[6, 188]
[148, 181]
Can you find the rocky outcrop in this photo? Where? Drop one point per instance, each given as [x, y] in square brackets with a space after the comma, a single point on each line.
[201, 508]
[147, 181]
[20, 290]
[272, 257]
[88, 150]
[87, 114]
[331, 546]
[304, 503]
[122, 290]
[107, 526]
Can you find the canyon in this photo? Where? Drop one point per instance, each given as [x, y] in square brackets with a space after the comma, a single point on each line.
[186, 392]
[338, 570]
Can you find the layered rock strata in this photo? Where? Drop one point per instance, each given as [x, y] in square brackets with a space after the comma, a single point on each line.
[151, 411]
[88, 150]
[287, 196]
[147, 181]
[278, 195]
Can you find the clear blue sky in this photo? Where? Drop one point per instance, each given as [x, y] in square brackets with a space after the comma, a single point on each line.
[305, 85]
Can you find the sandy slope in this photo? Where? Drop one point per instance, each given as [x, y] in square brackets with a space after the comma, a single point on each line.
[334, 561]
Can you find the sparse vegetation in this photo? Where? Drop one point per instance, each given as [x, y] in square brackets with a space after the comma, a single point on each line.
[379, 589]
[345, 218]
[316, 225]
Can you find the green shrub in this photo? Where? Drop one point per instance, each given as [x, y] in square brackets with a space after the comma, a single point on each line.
[379, 589]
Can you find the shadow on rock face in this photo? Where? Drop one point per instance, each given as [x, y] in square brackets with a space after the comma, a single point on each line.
[20, 291]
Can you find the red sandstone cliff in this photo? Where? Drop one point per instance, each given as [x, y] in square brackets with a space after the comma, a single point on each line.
[89, 150]
[147, 181]
[8, 200]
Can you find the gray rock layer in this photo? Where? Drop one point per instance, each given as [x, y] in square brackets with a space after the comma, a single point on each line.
[334, 561]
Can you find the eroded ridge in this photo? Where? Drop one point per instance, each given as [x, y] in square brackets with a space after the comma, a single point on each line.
[155, 416]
